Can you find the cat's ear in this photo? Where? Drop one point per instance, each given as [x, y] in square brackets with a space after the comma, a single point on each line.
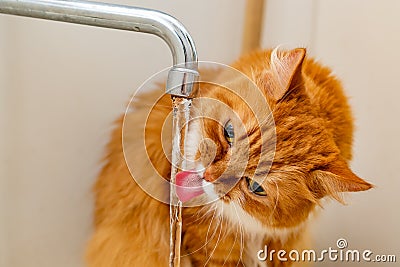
[337, 178]
[285, 71]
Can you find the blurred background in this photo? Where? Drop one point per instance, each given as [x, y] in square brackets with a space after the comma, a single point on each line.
[63, 85]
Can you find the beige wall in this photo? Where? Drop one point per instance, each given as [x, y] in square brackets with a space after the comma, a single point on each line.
[3, 138]
[65, 84]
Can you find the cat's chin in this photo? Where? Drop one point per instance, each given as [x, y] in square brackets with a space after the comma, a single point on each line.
[233, 212]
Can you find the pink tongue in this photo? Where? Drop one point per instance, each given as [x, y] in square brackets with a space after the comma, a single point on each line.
[188, 185]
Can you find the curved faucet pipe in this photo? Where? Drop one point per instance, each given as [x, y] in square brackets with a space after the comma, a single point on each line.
[182, 75]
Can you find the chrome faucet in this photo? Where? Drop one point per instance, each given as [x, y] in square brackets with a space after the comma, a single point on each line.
[181, 77]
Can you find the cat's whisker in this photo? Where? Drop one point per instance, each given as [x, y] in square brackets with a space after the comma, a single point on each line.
[216, 244]
[233, 245]
[208, 230]
[207, 213]
[219, 218]
[200, 211]
[212, 236]
[201, 215]
[227, 230]
[241, 235]
[276, 201]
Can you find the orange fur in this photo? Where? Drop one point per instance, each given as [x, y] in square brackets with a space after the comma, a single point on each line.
[313, 126]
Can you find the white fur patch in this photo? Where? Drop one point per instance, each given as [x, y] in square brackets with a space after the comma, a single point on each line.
[254, 232]
[192, 142]
[236, 214]
[253, 227]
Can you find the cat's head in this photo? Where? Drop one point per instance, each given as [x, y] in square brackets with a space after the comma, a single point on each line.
[263, 145]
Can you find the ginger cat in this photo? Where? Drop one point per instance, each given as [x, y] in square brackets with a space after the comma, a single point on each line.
[260, 161]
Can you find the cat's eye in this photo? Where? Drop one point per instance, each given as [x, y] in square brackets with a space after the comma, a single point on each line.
[229, 133]
[255, 187]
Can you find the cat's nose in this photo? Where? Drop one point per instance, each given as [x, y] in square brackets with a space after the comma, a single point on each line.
[208, 176]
